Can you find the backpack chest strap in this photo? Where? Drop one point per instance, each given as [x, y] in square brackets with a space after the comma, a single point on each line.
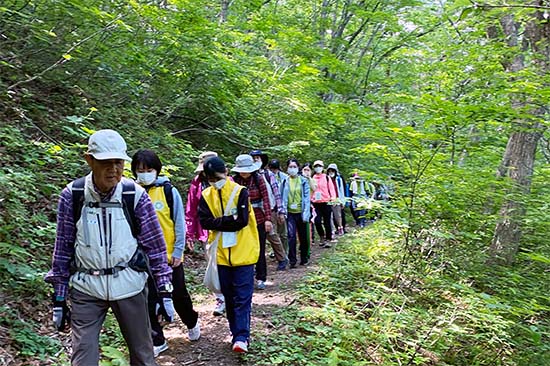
[104, 204]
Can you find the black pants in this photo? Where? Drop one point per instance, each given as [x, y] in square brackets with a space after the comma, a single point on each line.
[182, 304]
[261, 265]
[324, 212]
[295, 226]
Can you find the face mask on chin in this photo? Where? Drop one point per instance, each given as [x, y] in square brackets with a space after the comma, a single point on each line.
[147, 178]
[306, 173]
[219, 184]
[292, 171]
[318, 169]
[332, 175]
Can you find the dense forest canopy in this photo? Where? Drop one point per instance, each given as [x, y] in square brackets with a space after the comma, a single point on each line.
[446, 101]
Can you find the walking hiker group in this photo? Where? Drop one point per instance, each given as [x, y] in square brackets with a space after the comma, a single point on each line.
[120, 243]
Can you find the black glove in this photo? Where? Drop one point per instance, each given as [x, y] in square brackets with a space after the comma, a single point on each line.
[61, 315]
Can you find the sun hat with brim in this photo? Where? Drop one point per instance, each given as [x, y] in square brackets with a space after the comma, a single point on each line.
[245, 164]
[333, 167]
[318, 162]
[107, 144]
[202, 158]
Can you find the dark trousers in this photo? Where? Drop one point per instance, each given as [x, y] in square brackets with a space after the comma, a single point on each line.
[323, 218]
[182, 304]
[297, 226]
[237, 285]
[261, 265]
[360, 218]
[87, 317]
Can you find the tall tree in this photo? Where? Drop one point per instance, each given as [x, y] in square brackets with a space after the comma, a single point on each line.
[528, 41]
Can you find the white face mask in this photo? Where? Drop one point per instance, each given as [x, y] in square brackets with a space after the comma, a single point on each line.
[306, 173]
[318, 169]
[147, 178]
[219, 184]
[332, 175]
[292, 171]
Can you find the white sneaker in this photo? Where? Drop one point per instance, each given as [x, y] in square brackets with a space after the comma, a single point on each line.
[240, 347]
[158, 349]
[220, 307]
[195, 332]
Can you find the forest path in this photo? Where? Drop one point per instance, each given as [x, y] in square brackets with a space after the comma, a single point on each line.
[214, 346]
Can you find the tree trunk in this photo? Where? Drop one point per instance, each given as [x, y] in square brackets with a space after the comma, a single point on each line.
[519, 156]
[224, 10]
[517, 165]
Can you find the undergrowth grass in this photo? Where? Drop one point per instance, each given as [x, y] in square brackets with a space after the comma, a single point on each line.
[362, 308]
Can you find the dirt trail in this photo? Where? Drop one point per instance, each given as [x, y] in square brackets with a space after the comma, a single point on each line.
[214, 347]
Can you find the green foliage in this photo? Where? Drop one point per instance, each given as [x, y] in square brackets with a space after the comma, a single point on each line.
[23, 337]
[379, 312]
[412, 94]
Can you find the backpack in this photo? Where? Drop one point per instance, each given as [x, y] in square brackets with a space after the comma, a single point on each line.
[139, 260]
[272, 203]
[128, 197]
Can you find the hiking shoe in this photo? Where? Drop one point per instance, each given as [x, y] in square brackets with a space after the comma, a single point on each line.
[220, 307]
[282, 265]
[260, 285]
[240, 347]
[195, 332]
[271, 255]
[158, 349]
[292, 265]
[326, 245]
[305, 263]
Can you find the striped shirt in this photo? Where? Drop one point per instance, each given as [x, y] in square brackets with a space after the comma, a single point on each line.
[150, 237]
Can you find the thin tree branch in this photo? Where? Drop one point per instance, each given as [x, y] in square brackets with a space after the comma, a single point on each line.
[62, 60]
[487, 6]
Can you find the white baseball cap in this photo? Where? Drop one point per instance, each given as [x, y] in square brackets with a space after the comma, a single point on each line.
[107, 144]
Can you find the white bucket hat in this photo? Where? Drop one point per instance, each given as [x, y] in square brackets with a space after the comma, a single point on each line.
[107, 144]
[245, 164]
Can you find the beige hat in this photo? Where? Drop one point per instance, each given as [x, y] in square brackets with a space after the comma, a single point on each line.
[318, 162]
[245, 164]
[202, 158]
[107, 144]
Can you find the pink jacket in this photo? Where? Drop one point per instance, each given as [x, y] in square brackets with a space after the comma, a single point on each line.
[194, 229]
[324, 192]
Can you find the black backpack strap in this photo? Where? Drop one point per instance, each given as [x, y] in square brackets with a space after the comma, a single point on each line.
[128, 201]
[167, 186]
[77, 191]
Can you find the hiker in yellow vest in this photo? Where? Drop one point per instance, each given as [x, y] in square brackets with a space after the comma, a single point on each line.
[168, 204]
[225, 211]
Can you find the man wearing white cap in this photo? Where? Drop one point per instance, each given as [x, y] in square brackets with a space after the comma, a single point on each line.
[108, 241]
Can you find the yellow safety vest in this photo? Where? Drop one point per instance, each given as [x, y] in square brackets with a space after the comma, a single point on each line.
[163, 213]
[247, 249]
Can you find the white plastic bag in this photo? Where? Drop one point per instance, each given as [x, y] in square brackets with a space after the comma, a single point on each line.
[211, 277]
